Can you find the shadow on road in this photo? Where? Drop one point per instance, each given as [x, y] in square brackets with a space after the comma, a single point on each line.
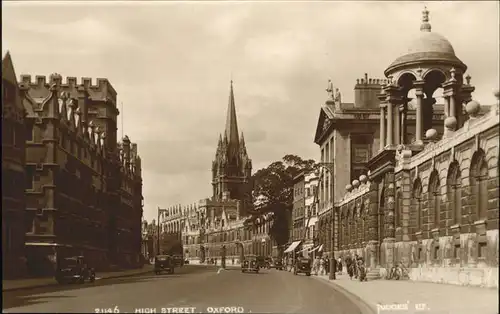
[17, 298]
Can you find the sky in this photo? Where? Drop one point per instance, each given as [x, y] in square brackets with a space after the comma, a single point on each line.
[171, 64]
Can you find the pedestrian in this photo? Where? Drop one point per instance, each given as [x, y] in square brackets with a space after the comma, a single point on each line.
[327, 265]
[339, 265]
[321, 267]
[350, 267]
[316, 266]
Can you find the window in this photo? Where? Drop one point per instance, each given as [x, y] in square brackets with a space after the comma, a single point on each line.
[454, 193]
[434, 197]
[478, 182]
[30, 178]
[417, 204]
[481, 250]
[436, 252]
[29, 132]
[361, 153]
[456, 251]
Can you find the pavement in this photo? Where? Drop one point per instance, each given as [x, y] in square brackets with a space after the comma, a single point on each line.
[195, 289]
[405, 296]
[31, 283]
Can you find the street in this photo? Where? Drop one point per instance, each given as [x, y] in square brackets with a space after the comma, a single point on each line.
[203, 288]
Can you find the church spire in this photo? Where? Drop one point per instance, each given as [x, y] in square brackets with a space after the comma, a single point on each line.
[231, 122]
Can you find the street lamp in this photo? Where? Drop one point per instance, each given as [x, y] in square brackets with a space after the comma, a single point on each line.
[330, 166]
[160, 210]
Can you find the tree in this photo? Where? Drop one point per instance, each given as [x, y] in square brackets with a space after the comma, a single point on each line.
[273, 193]
[171, 244]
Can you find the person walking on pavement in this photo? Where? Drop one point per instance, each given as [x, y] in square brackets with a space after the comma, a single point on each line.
[339, 265]
[316, 266]
[322, 267]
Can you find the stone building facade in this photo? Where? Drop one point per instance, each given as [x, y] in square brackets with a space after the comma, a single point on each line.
[311, 181]
[84, 189]
[13, 174]
[429, 201]
[298, 209]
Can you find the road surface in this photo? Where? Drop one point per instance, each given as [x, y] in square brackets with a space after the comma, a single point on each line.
[197, 289]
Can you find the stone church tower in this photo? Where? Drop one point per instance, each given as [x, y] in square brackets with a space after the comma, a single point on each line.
[232, 168]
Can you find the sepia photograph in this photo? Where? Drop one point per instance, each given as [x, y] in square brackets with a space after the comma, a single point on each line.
[267, 157]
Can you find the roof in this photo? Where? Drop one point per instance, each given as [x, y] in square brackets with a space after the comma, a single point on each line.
[427, 46]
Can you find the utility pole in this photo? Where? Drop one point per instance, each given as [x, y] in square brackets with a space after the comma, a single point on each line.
[330, 167]
[160, 210]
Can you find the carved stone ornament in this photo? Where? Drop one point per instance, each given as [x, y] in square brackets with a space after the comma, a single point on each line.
[326, 124]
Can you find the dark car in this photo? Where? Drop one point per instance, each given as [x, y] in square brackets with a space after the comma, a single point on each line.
[74, 269]
[278, 264]
[186, 262]
[250, 263]
[164, 263]
[302, 265]
[178, 260]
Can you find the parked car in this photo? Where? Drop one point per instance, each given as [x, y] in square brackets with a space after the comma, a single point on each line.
[250, 263]
[186, 262]
[164, 263]
[302, 265]
[74, 269]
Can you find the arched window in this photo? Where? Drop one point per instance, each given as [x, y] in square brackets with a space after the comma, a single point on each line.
[434, 197]
[355, 225]
[453, 188]
[478, 183]
[417, 204]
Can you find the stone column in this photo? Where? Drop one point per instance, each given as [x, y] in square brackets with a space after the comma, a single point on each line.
[390, 128]
[397, 123]
[446, 106]
[382, 127]
[404, 127]
[419, 118]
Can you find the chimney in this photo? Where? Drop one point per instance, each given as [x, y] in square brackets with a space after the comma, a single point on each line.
[126, 149]
[365, 92]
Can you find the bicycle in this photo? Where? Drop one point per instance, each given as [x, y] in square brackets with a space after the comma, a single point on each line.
[398, 271]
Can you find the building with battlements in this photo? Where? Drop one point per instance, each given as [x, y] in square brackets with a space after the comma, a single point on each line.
[13, 174]
[429, 197]
[84, 189]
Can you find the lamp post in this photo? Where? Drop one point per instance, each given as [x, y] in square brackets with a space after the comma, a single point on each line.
[160, 210]
[330, 167]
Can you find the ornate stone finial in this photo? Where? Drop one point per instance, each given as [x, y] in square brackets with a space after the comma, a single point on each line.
[450, 123]
[64, 96]
[467, 79]
[425, 26]
[348, 188]
[363, 178]
[453, 73]
[355, 184]
[329, 90]
[473, 108]
[431, 134]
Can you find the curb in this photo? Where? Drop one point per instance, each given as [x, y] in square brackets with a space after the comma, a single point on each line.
[56, 284]
[363, 305]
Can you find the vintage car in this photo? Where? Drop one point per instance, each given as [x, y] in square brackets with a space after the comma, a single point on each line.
[178, 260]
[164, 263]
[74, 269]
[302, 265]
[277, 263]
[250, 263]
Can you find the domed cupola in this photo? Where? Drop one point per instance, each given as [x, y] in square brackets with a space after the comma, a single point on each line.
[427, 47]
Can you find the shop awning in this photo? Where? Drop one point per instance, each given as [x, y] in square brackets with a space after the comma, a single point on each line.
[292, 247]
[320, 248]
[314, 249]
